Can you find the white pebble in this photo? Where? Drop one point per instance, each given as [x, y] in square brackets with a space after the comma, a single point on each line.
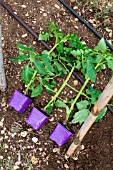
[1, 157]
[2, 132]
[16, 167]
[24, 134]
[34, 139]
[56, 6]
[24, 35]
[23, 6]
[66, 166]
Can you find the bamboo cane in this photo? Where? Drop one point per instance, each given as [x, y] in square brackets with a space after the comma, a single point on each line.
[100, 104]
[2, 71]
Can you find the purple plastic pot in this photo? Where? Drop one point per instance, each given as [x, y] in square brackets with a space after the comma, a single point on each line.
[60, 135]
[36, 119]
[19, 101]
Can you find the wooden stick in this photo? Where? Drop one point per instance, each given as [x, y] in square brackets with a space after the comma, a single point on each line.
[100, 104]
[2, 71]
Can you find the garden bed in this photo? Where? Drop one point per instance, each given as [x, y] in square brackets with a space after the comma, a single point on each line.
[23, 147]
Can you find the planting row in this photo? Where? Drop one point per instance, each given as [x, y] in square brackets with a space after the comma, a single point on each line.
[37, 118]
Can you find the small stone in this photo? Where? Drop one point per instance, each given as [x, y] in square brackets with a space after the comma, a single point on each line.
[66, 166]
[34, 160]
[82, 147]
[2, 132]
[24, 35]
[5, 145]
[56, 6]
[40, 149]
[44, 15]
[1, 157]
[24, 134]
[27, 14]
[75, 82]
[56, 150]
[23, 6]
[35, 140]
[16, 167]
[75, 7]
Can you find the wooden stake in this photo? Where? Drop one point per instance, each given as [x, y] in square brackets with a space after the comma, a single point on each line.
[98, 107]
[2, 72]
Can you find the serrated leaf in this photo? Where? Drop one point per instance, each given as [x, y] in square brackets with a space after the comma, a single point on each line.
[44, 36]
[110, 62]
[90, 69]
[102, 45]
[37, 91]
[21, 57]
[27, 73]
[60, 103]
[24, 48]
[47, 62]
[94, 94]
[76, 53]
[101, 115]
[82, 104]
[40, 67]
[60, 67]
[80, 116]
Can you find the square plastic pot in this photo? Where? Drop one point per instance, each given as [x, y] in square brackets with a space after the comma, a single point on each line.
[19, 101]
[60, 135]
[36, 119]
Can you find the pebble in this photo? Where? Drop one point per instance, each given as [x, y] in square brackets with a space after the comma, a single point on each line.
[44, 15]
[75, 7]
[35, 140]
[56, 6]
[2, 132]
[5, 145]
[34, 160]
[24, 134]
[1, 157]
[16, 167]
[75, 82]
[24, 35]
[66, 166]
[56, 150]
[23, 6]
[27, 14]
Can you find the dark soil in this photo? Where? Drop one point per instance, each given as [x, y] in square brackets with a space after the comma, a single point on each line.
[18, 152]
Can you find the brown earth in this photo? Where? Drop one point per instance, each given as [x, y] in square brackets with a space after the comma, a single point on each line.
[21, 152]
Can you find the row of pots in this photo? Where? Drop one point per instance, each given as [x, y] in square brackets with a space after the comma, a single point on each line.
[37, 118]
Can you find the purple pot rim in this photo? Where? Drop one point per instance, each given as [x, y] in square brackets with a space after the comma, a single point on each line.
[44, 113]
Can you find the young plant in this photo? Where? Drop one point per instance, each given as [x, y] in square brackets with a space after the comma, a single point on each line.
[89, 61]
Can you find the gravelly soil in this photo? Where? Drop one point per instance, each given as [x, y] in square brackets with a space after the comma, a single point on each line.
[22, 147]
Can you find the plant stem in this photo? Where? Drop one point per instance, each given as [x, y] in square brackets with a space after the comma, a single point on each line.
[59, 91]
[35, 72]
[75, 100]
[78, 91]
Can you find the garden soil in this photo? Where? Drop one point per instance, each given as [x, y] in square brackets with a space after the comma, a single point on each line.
[21, 147]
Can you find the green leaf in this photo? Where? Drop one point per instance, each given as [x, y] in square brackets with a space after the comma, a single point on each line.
[60, 103]
[27, 73]
[49, 109]
[90, 69]
[82, 104]
[21, 57]
[94, 94]
[44, 36]
[110, 62]
[40, 67]
[47, 62]
[37, 91]
[101, 115]
[76, 53]
[24, 48]
[102, 45]
[80, 116]
[60, 67]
